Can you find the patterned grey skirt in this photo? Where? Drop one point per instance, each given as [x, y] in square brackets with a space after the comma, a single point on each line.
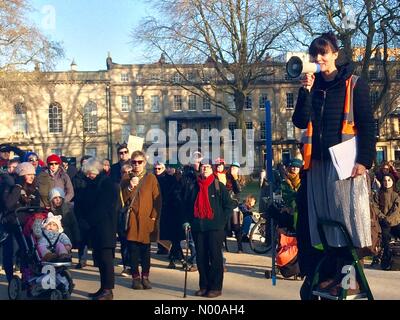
[346, 201]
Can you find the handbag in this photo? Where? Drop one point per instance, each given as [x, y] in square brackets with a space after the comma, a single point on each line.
[125, 211]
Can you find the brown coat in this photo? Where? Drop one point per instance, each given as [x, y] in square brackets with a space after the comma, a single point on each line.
[146, 207]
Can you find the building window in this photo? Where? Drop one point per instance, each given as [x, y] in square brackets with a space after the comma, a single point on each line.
[231, 102]
[206, 104]
[177, 103]
[57, 151]
[192, 103]
[91, 152]
[191, 76]
[154, 77]
[155, 104]
[232, 127]
[124, 77]
[55, 118]
[262, 130]
[249, 126]
[140, 130]
[139, 77]
[248, 103]
[289, 100]
[289, 130]
[373, 74]
[373, 95]
[20, 124]
[261, 100]
[176, 78]
[125, 132]
[139, 104]
[90, 117]
[125, 104]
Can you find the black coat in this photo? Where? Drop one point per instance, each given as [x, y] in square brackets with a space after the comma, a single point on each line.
[170, 221]
[101, 201]
[69, 222]
[325, 105]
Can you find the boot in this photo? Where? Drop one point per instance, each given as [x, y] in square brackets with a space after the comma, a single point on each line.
[105, 294]
[146, 283]
[95, 294]
[137, 284]
[171, 265]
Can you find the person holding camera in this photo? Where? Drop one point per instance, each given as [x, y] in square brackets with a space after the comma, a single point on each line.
[333, 106]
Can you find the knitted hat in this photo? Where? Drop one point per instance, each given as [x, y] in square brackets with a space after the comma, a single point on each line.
[28, 155]
[53, 158]
[235, 164]
[219, 161]
[56, 192]
[25, 168]
[296, 163]
[55, 219]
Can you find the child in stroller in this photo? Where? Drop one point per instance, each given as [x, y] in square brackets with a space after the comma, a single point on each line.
[42, 279]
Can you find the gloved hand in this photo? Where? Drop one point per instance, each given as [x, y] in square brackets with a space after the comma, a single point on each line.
[186, 226]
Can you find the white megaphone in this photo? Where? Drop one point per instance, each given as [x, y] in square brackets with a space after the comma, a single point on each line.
[296, 66]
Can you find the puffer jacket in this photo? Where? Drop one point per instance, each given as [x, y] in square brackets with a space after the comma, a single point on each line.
[324, 105]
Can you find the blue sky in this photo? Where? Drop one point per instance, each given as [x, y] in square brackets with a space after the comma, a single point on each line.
[88, 29]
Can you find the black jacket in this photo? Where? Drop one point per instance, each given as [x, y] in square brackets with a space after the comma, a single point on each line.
[326, 101]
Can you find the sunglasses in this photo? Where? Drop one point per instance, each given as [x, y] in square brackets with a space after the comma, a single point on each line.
[123, 152]
[137, 161]
[158, 169]
[53, 164]
[32, 159]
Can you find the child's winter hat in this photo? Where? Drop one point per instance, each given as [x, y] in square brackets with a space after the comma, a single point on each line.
[56, 219]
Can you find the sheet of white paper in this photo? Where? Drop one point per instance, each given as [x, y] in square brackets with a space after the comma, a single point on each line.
[344, 157]
[135, 143]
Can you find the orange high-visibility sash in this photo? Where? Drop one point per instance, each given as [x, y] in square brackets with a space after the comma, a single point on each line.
[348, 127]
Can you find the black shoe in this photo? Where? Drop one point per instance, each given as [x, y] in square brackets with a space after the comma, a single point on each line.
[171, 265]
[95, 294]
[105, 294]
[80, 265]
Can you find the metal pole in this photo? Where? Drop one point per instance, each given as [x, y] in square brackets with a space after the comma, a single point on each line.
[187, 230]
[268, 145]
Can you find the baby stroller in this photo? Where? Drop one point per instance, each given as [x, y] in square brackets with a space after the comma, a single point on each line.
[40, 279]
[286, 247]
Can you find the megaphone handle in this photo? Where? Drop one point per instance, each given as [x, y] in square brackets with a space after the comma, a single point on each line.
[308, 81]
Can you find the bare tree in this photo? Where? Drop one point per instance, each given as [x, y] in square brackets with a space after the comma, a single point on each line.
[368, 31]
[226, 43]
[22, 45]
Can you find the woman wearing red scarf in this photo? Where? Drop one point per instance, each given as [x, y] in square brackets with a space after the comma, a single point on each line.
[211, 211]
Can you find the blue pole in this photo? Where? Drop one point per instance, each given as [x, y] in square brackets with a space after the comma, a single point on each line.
[268, 150]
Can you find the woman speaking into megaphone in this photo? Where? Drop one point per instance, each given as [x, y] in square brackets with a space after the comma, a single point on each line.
[333, 106]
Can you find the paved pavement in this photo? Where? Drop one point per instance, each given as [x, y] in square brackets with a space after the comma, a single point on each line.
[244, 281]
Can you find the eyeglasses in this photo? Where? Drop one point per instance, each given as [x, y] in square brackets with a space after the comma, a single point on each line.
[53, 164]
[123, 152]
[137, 161]
[32, 159]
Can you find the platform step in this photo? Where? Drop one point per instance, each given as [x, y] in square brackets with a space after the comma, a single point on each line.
[326, 295]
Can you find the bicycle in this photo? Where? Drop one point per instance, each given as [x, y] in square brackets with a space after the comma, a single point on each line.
[260, 234]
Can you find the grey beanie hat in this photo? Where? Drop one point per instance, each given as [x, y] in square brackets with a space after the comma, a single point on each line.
[25, 168]
[56, 192]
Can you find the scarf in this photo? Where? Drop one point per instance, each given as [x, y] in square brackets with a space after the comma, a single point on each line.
[202, 208]
[141, 175]
[293, 180]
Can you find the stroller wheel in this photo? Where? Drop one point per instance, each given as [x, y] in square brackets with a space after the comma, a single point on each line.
[15, 288]
[55, 295]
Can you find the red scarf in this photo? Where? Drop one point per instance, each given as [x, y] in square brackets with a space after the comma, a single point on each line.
[202, 208]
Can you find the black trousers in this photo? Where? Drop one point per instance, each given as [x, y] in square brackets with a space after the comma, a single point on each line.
[105, 262]
[209, 258]
[139, 252]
